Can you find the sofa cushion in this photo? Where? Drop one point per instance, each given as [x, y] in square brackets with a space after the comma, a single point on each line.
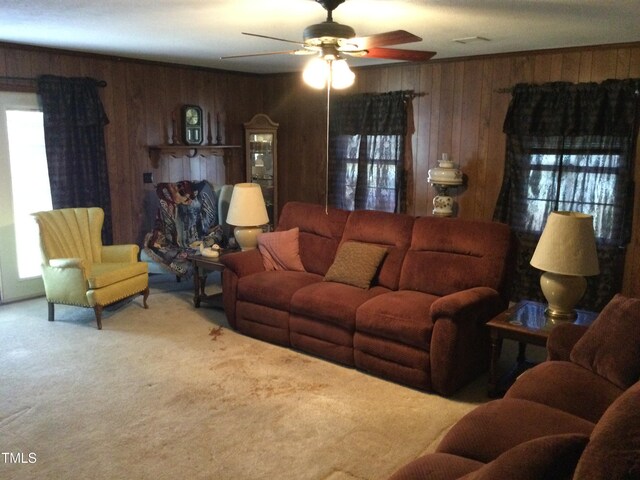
[332, 302]
[614, 450]
[436, 466]
[551, 457]
[495, 427]
[558, 384]
[281, 250]
[274, 288]
[320, 232]
[611, 345]
[448, 255]
[401, 316]
[356, 264]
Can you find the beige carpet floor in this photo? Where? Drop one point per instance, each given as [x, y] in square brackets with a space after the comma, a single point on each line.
[173, 393]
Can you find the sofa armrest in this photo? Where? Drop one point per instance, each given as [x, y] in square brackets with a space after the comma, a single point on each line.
[120, 253]
[243, 263]
[562, 339]
[481, 303]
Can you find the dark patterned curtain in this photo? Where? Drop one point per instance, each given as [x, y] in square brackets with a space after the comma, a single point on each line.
[571, 147]
[74, 121]
[366, 152]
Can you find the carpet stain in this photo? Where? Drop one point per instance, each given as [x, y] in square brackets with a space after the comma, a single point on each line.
[279, 387]
[215, 333]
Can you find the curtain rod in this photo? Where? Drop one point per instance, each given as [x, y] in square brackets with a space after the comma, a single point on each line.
[99, 83]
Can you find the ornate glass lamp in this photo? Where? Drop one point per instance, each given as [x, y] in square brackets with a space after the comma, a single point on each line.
[566, 252]
[443, 177]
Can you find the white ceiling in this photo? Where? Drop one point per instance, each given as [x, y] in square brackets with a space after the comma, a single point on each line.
[199, 32]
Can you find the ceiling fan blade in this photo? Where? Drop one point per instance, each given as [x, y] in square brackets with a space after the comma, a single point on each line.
[272, 38]
[398, 54]
[395, 37]
[258, 54]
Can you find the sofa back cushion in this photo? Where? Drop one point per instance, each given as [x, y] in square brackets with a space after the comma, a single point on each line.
[611, 345]
[320, 232]
[448, 255]
[389, 230]
[614, 449]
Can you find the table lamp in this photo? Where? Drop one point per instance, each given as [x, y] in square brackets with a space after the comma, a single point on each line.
[566, 252]
[247, 212]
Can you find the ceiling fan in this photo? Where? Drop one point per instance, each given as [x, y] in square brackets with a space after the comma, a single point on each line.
[331, 40]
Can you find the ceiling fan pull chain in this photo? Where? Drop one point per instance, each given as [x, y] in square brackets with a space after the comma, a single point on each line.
[326, 174]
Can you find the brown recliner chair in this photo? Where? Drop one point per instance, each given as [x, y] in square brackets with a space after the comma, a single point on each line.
[574, 416]
[78, 270]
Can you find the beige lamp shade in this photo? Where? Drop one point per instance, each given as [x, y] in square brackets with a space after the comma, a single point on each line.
[567, 245]
[247, 212]
[247, 208]
[566, 252]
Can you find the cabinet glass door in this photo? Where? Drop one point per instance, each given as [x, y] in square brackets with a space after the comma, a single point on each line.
[261, 157]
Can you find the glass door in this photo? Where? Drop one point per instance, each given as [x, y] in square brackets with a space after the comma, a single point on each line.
[24, 189]
[261, 159]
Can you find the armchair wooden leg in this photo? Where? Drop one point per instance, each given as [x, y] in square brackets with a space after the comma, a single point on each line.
[51, 313]
[145, 295]
[98, 311]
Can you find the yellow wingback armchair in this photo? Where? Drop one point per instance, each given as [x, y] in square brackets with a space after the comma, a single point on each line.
[78, 270]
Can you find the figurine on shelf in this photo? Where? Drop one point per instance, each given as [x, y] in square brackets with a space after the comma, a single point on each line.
[209, 135]
[218, 130]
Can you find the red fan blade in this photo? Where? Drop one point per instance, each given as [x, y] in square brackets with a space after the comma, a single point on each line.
[395, 37]
[398, 54]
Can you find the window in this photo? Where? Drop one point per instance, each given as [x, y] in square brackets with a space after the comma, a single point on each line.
[380, 172]
[366, 152]
[571, 147]
[586, 180]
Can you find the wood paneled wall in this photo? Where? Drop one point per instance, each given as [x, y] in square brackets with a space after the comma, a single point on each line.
[139, 99]
[459, 110]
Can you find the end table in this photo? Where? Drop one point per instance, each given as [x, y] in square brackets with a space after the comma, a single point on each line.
[201, 267]
[525, 323]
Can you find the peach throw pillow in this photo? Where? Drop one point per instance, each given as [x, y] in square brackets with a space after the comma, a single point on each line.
[281, 250]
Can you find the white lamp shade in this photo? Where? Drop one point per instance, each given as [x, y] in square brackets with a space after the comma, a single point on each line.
[247, 208]
[567, 245]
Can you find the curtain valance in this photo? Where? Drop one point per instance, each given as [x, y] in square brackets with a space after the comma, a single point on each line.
[566, 109]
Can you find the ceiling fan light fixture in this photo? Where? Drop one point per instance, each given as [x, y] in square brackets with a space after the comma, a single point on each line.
[319, 70]
[316, 72]
[341, 75]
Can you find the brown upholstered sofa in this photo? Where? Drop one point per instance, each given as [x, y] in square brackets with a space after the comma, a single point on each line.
[420, 322]
[575, 416]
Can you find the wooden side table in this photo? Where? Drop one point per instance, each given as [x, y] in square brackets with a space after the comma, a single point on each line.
[525, 323]
[202, 266]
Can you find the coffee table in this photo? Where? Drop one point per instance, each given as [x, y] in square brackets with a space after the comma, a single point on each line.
[202, 266]
[525, 323]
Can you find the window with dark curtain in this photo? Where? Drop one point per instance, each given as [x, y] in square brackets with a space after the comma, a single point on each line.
[571, 147]
[74, 121]
[366, 152]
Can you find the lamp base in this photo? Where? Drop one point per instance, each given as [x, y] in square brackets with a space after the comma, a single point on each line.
[562, 293]
[247, 237]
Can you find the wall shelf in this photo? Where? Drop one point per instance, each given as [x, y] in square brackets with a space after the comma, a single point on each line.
[179, 151]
